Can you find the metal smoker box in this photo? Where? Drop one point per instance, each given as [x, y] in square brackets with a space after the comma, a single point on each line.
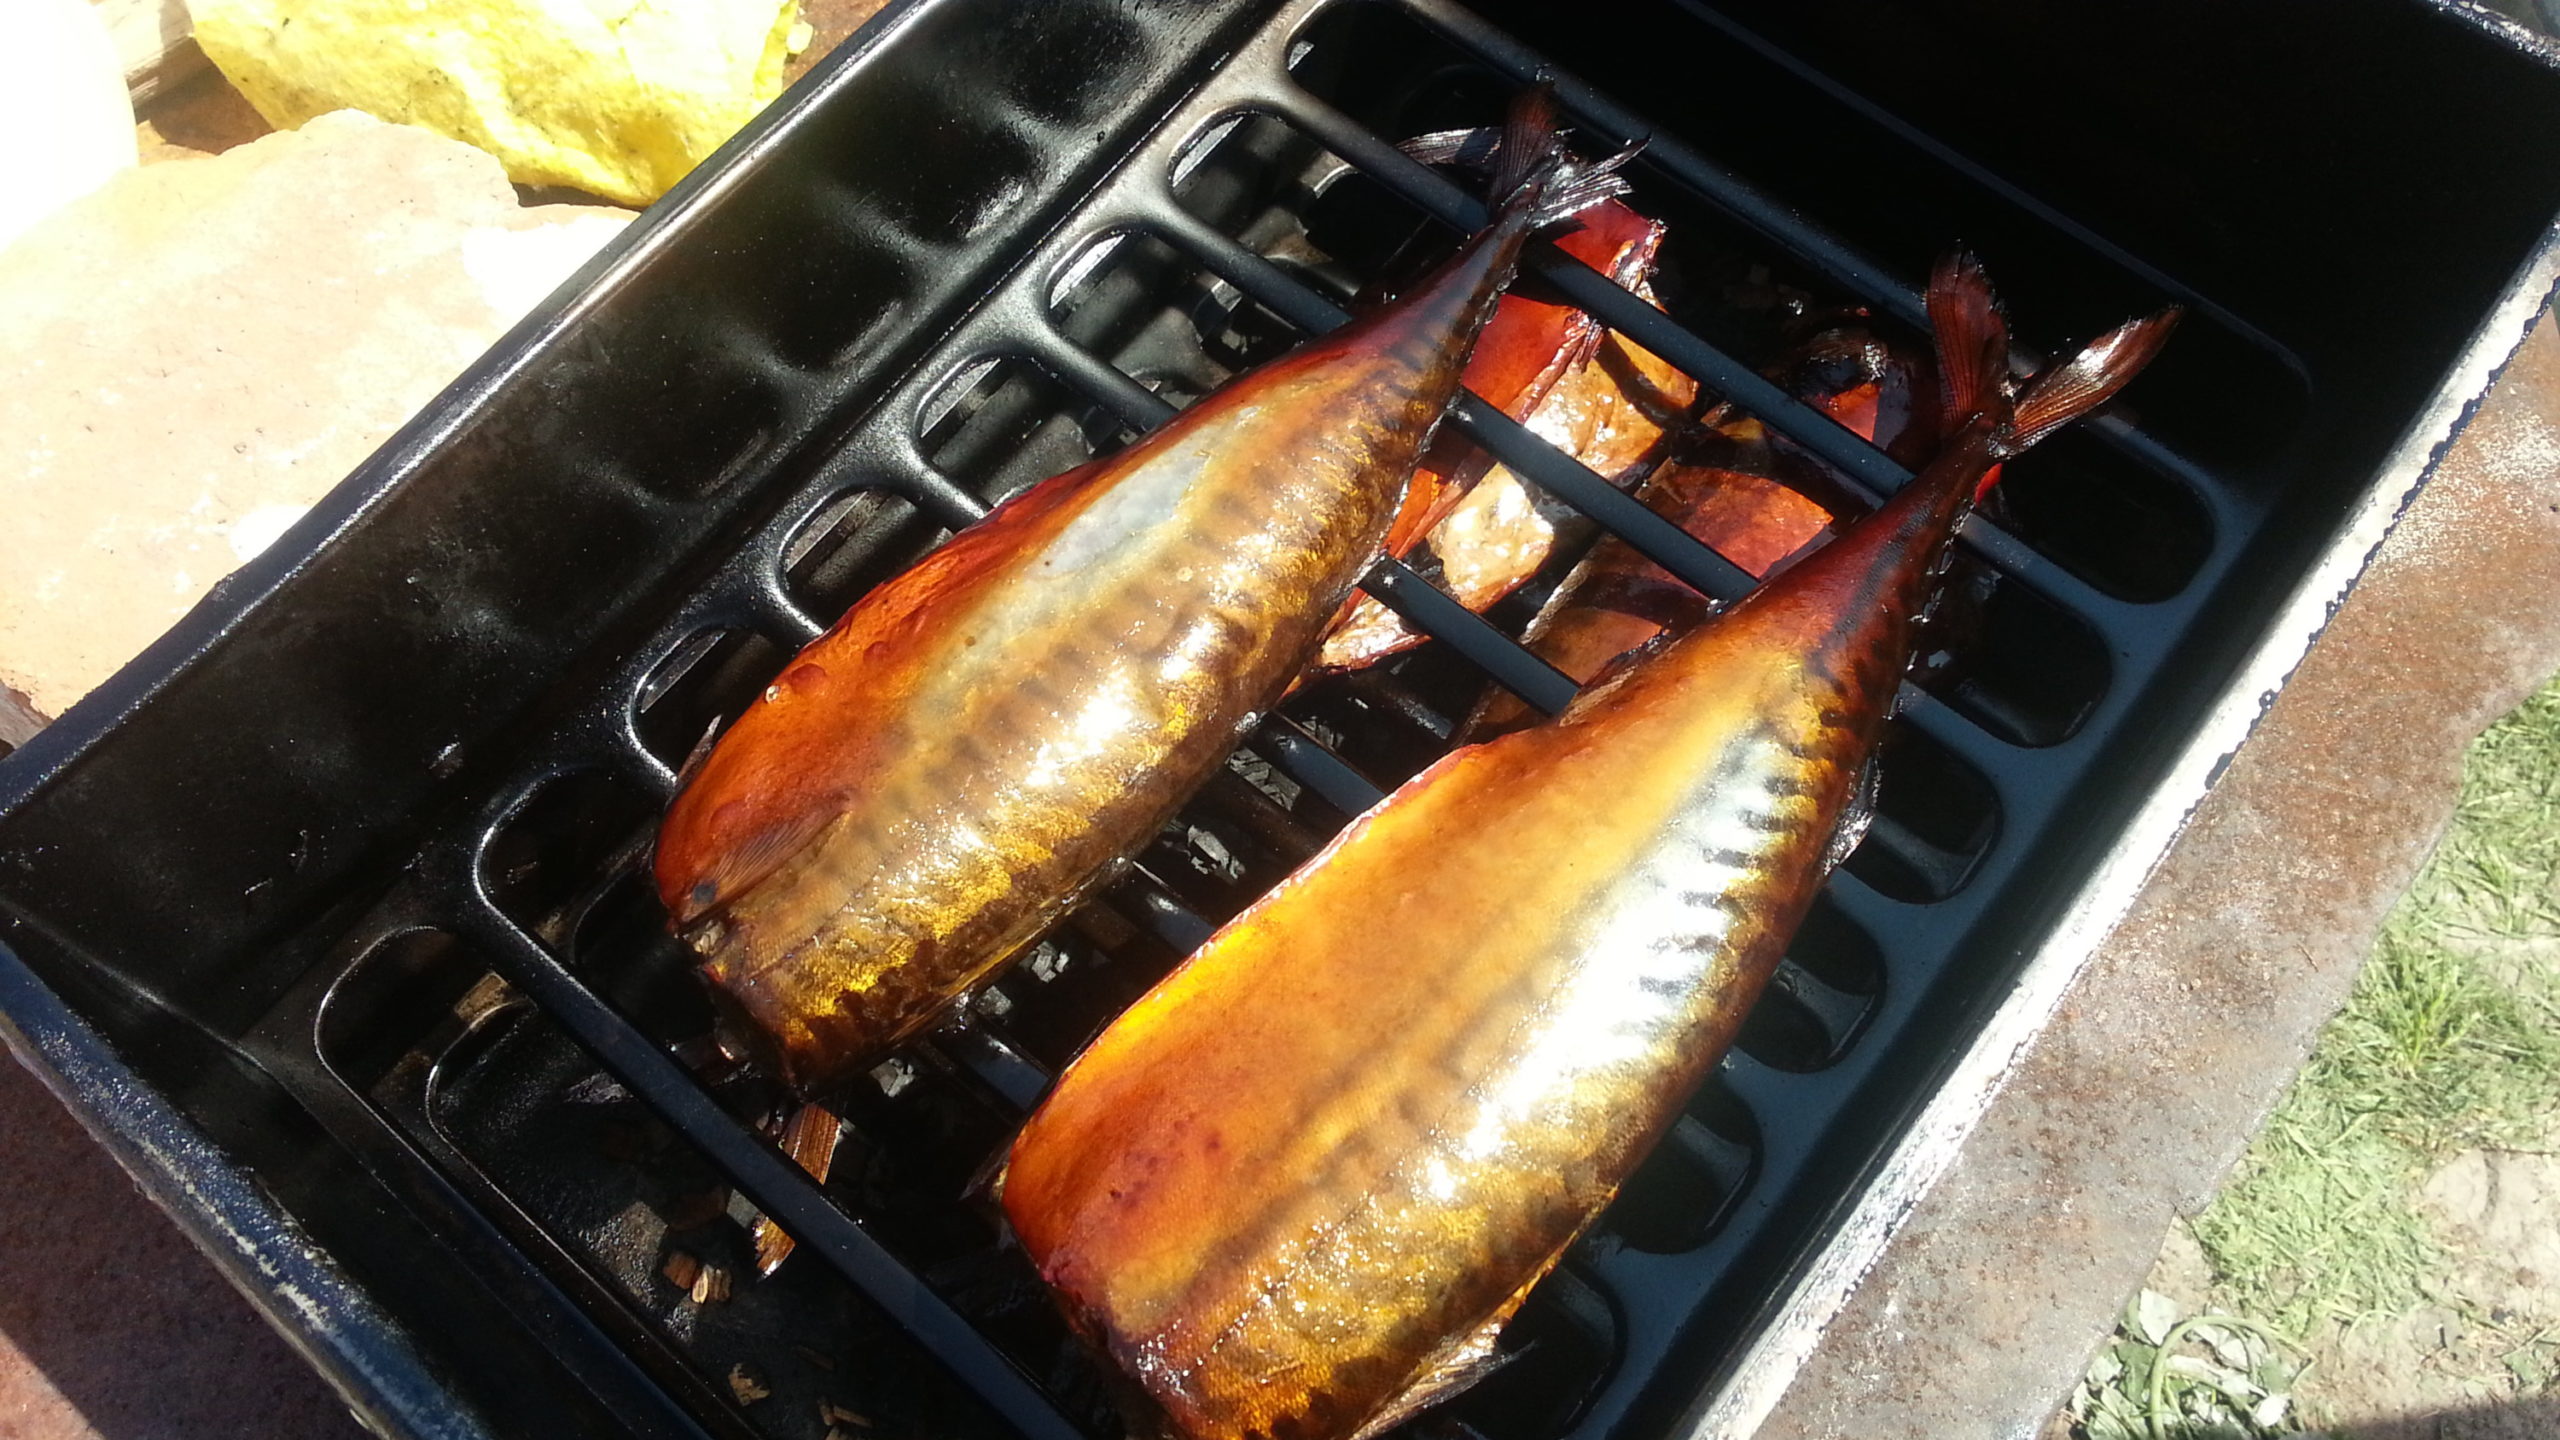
[322, 913]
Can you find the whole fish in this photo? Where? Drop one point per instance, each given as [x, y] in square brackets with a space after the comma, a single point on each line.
[1741, 488]
[942, 775]
[1298, 1188]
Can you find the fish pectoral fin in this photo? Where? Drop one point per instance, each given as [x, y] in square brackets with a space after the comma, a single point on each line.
[1455, 1368]
[1855, 819]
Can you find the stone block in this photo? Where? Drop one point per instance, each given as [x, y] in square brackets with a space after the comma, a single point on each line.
[194, 354]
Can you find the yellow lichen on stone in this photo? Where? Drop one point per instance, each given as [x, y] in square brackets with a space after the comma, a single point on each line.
[618, 98]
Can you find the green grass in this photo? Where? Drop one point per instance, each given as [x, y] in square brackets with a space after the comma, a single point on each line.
[2450, 1041]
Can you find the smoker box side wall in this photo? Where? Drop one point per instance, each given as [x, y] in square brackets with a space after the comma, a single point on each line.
[365, 1355]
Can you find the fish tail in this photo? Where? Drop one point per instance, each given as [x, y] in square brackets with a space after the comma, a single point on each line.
[1528, 162]
[1973, 342]
[1973, 364]
[2089, 379]
[1533, 172]
[1531, 149]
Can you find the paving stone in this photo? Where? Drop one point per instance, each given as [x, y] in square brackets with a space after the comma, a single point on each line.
[195, 353]
[112, 1327]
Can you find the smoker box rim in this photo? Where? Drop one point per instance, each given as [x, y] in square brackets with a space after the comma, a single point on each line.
[364, 1351]
[339, 1330]
[1732, 1405]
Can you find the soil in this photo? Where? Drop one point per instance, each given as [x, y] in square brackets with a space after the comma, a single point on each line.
[2476, 1364]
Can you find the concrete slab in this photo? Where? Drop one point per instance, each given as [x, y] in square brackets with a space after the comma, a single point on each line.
[112, 1325]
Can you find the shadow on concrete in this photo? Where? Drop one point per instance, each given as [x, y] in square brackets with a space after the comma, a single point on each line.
[2537, 1418]
[111, 1325]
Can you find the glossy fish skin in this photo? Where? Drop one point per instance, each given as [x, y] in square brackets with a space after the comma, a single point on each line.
[1603, 400]
[1734, 495]
[939, 777]
[1298, 1188]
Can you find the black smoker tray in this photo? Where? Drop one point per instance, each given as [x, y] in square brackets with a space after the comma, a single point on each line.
[322, 914]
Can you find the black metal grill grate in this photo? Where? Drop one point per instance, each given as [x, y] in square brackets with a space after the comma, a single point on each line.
[444, 1036]
[542, 887]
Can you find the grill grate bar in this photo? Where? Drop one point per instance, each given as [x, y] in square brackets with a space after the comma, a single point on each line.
[1867, 469]
[1430, 610]
[1005, 1070]
[1838, 261]
[1688, 559]
[1611, 303]
[777, 1186]
[1312, 765]
[1833, 258]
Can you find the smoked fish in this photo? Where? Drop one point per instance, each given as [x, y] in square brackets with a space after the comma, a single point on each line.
[1296, 1191]
[949, 769]
[1742, 489]
[1574, 384]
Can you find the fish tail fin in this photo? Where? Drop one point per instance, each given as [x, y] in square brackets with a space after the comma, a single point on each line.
[1973, 364]
[1534, 172]
[2089, 379]
[1973, 342]
[1531, 149]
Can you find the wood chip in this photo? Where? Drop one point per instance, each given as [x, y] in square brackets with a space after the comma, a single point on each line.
[831, 1414]
[747, 1385]
[681, 1269]
[699, 1208]
[711, 1286]
[813, 1357]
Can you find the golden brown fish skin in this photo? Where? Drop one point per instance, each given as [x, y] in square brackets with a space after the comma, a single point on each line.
[1306, 1178]
[937, 779]
[1382, 1101]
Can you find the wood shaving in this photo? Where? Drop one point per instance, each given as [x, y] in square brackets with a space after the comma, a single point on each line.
[711, 1286]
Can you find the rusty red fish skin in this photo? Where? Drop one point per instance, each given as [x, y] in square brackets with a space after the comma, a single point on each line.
[1338, 1145]
[942, 775]
[1739, 502]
